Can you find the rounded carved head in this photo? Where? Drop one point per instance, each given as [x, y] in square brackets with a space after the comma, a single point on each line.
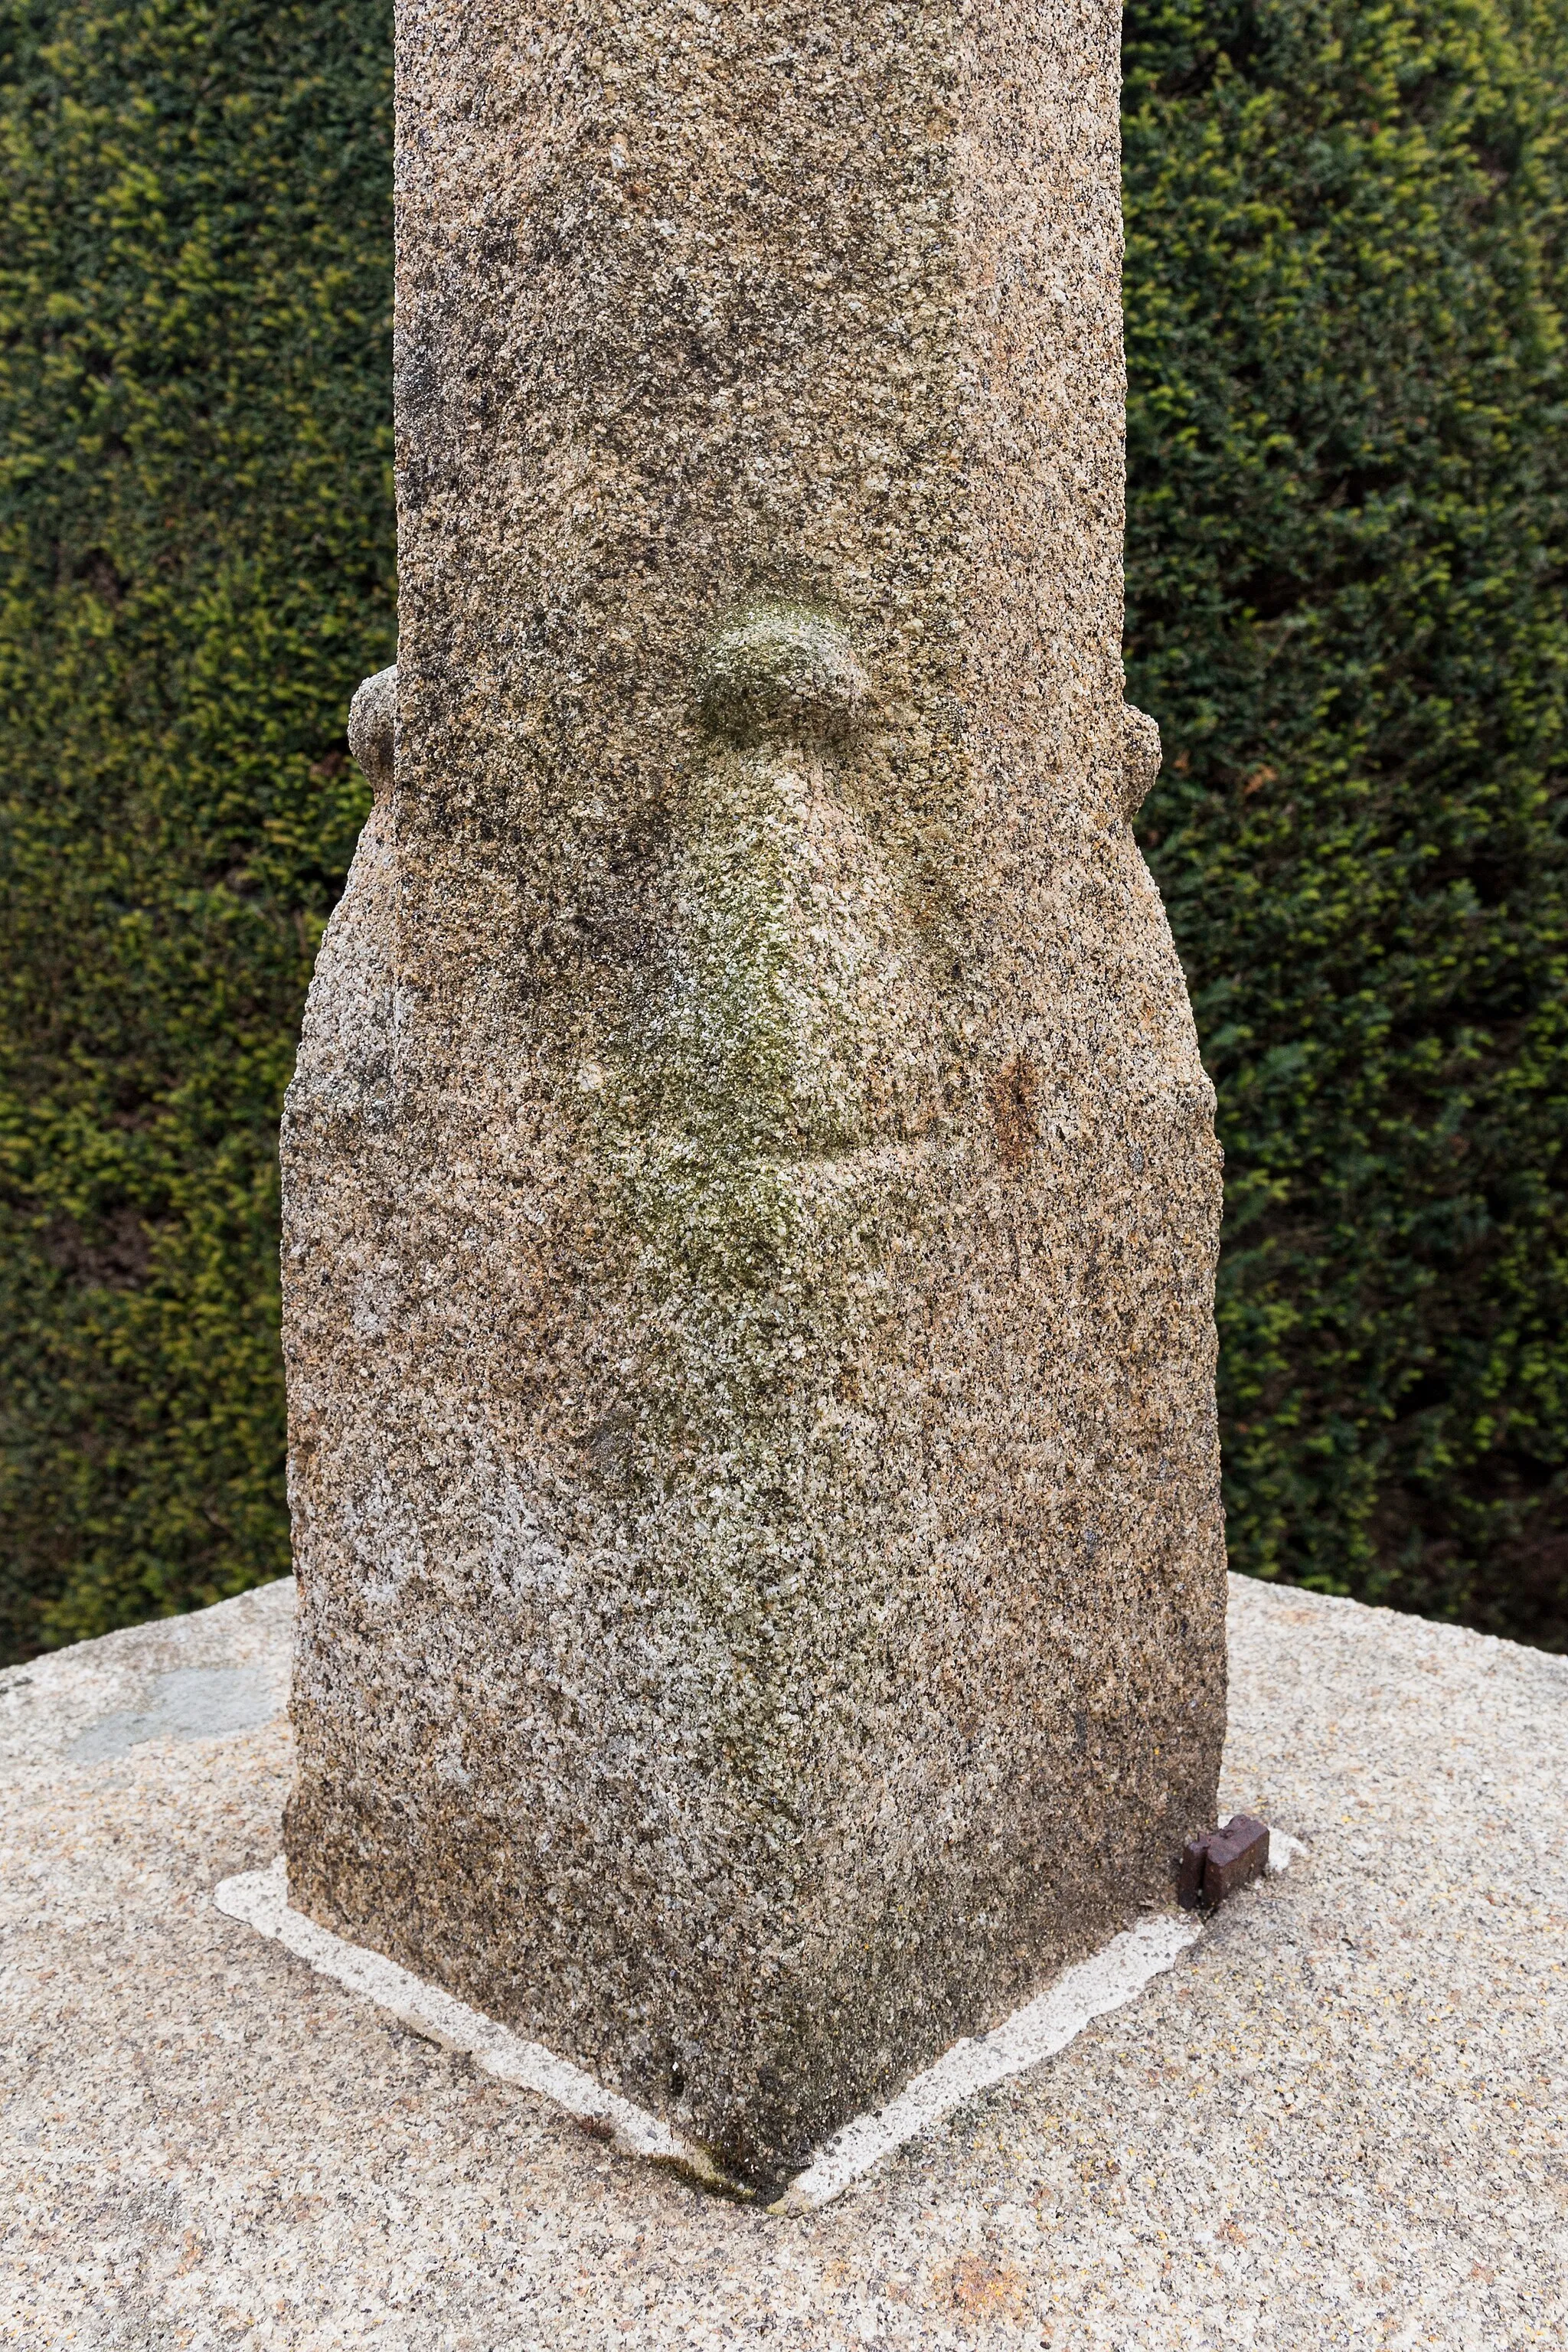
[1140, 758]
[778, 670]
[373, 728]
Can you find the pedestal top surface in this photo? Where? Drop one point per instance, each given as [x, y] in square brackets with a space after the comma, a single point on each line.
[1339, 2121]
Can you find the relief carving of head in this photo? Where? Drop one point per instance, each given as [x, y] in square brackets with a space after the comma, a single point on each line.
[787, 1047]
[373, 729]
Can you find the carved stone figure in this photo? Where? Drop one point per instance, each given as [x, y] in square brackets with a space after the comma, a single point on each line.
[373, 730]
[751, 1190]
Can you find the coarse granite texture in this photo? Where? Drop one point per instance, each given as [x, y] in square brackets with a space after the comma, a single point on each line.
[1340, 2123]
[750, 1188]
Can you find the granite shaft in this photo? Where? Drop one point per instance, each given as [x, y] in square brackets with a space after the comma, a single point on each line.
[751, 1192]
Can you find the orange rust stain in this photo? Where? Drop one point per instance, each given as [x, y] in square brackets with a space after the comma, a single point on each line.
[995, 2290]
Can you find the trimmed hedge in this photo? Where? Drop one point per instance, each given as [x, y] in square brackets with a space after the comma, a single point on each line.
[196, 570]
[1346, 606]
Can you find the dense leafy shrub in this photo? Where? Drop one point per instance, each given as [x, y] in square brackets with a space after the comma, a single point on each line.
[1346, 607]
[195, 568]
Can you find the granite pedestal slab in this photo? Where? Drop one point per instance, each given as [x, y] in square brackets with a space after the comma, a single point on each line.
[750, 1188]
[1107, 1981]
[1337, 2121]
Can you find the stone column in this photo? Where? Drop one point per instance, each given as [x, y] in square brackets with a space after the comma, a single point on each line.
[752, 1196]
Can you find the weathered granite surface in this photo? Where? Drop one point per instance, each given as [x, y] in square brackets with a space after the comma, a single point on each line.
[751, 1188]
[1340, 2123]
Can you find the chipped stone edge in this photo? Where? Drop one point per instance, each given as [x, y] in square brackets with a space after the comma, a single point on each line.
[1109, 1980]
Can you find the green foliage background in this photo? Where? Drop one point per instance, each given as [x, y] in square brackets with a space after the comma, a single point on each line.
[1346, 606]
[196, 570]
